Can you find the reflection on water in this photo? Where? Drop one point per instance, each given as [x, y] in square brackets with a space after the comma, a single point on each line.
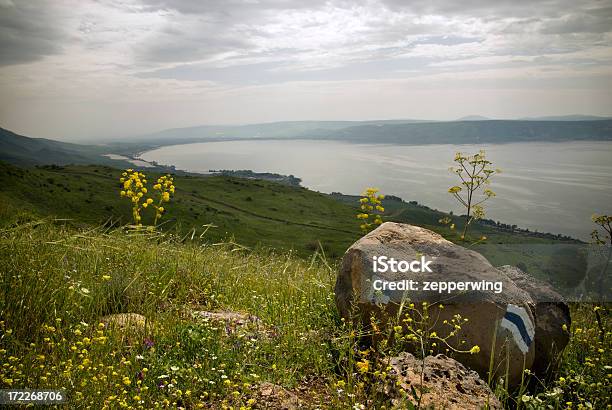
[550, 187]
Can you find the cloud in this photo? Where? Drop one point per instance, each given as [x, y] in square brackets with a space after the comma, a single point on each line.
[118, 56]
[589, 21]
[28, 31]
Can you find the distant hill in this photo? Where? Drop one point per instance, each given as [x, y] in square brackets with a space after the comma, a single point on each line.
[26, 151]
[574, 117]
[20, 150]
[473, 118]
[470, 132]
[281, 129]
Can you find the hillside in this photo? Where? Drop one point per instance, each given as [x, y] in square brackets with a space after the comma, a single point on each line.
[65, 291]
[470, 132]
[249, 212]
[252, 211]
[21, 150]
[138, 319]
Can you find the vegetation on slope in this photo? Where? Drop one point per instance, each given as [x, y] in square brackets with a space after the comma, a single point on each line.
[58, 283]
[252, 212]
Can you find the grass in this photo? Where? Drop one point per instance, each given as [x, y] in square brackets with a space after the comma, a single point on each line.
[249, 212]
[59, 280]
[52, 301]
[76, 278]
[252, 212]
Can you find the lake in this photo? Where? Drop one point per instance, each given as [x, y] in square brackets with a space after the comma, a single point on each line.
[549, 187]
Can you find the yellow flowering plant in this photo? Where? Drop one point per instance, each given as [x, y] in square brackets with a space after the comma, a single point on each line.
[165, 188]
[371, 207]
[475, 173]
[134, 187]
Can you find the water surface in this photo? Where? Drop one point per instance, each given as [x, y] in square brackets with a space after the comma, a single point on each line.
[549, 187]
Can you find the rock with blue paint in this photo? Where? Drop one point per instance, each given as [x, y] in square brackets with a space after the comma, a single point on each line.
[502, 323]
[552, 316]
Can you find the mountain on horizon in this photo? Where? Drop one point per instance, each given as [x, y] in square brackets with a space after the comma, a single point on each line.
[474, 118]
[571, 117]
[25, 151]
[313, 129]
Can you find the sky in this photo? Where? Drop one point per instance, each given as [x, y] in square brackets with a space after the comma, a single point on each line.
[87, 69]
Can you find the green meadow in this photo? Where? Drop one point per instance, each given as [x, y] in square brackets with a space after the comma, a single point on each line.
[270, 252]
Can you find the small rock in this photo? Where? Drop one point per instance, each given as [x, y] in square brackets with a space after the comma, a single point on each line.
[238, 318]
[125, 321]
[442, 383]
[273, 396]
[234, 321]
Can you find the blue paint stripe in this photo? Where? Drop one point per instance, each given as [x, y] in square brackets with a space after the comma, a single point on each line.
[518, 322]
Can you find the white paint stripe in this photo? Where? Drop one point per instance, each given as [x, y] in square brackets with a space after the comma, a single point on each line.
[522, 313]
[516, 335]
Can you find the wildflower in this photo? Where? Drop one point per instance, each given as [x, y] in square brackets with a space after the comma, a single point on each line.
[475, 349]
[106, 277]
[363, 366]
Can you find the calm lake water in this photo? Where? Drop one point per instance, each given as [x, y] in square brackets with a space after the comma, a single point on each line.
[549, 187]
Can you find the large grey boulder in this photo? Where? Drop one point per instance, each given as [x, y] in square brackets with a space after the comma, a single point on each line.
[552, 315]
[501, 324]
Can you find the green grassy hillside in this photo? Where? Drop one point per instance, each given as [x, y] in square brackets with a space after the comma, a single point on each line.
[25, 151]
[67, 261]
[253, 212]
[58, 283]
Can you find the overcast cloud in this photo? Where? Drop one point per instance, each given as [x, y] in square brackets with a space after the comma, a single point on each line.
[87, 68]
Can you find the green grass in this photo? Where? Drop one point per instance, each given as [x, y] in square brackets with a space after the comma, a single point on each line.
[251, 212]
[58, 282]
[62, 285]
[66, 261]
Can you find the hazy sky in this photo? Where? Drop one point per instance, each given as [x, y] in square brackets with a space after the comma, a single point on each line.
[86, 68]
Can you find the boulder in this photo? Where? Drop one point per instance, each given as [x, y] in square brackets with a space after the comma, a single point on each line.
[440, 382]
[500, 323]
[551, 314]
